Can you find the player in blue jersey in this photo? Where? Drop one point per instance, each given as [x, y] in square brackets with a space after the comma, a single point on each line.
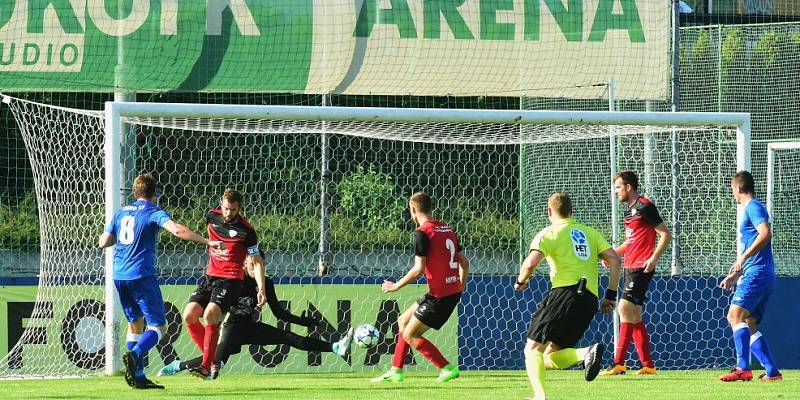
[133, 232]
[751, 278]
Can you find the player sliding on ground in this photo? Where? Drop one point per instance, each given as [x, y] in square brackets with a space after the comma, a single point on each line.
[133, 232]
[243, 327]
[752, 277]
[572, 251]
[439, 256]
[222, 283]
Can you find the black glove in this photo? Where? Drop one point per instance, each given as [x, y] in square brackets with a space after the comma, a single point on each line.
[308, 321]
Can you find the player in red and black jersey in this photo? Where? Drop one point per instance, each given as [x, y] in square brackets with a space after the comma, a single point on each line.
[439, 256]
[641, 254]
[222, 283]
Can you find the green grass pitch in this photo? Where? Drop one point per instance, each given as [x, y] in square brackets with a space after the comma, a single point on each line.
[482, 385]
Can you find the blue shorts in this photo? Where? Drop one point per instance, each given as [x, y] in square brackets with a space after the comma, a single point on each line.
[142, 298]
[752, 293]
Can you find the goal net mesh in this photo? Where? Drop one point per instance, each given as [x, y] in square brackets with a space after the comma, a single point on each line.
[489, 181]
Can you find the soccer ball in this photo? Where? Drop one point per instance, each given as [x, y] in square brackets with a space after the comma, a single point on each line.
[366, 336]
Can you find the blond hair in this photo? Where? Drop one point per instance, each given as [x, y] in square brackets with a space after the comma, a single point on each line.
[560, 203]
[422, 202]
[144, 186]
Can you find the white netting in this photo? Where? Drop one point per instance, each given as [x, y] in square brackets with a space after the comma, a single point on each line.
[488, 193]
[783, 196]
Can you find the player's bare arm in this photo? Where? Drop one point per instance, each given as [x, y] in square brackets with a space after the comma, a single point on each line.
[764, 236]
[106, 240]
[258, 269]
[664, 237]
[415, 272]
[611, 259]
[526, 269]
[463, 269]
[182, 232]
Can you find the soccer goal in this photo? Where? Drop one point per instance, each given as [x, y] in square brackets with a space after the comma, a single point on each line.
[783, 188]
[328, 186]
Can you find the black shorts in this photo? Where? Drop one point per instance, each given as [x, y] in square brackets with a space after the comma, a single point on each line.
[223, 292]
[433, 311]
[563, 316]
[636, 282]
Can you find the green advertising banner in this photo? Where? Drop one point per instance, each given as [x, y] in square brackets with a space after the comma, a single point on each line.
[72, 337]
[400, 47]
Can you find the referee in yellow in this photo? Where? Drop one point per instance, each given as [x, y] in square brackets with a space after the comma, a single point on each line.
[572, 251]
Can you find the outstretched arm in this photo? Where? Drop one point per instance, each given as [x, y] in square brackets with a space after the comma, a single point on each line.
[275, 306]
[182, 232]
[412, 274]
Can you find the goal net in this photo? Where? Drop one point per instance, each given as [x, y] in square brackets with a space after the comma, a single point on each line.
[328, 185]
[783, 187]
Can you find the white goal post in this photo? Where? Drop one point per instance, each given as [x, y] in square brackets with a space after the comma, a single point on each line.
[772, 148]
[117, 112]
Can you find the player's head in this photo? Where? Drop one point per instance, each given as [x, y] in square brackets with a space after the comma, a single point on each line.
[559, 206]
[144, 187]
[420, 204]
[626, 186]
[743, 186]
[231, 205]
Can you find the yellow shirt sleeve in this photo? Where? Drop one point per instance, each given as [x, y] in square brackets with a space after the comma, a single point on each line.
[598, 241]
[541, 243]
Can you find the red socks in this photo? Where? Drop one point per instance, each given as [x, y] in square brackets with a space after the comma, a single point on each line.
[210, 345]
[198, 334]
[429, 351]
[642, 341]
[625, 335]
[400, 351]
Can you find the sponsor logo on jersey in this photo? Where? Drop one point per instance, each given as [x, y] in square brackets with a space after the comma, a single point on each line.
[580, 244]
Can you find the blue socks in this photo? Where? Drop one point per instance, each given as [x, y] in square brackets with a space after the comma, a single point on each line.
[741, 337]
[133, 338]
[147, 341]
[758, 345]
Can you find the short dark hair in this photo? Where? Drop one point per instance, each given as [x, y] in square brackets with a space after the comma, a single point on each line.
[233, 196]
[628, 177]
[744, 179]
[422, 202]
[144, 186]
[560, 203]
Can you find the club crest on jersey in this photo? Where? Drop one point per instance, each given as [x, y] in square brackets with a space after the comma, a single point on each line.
[633, 211]
[232, 233]
[580, 244]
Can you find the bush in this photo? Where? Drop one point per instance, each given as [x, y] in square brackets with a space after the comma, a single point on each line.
[370, 198]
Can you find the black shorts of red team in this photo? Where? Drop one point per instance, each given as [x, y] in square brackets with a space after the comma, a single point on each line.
[563, 316]
[223, 292]
[434, 312]
[636, 282]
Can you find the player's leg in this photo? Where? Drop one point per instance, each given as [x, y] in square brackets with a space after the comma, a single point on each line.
[737, 318]
[535, 367]
[135, 330]
[432, 313]
[150, 301]
[758, 343]
[395, 374]
[628, 317]
[224, 293]
[564, 321]
[133, 314]
[637, 295]
[194, 310]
